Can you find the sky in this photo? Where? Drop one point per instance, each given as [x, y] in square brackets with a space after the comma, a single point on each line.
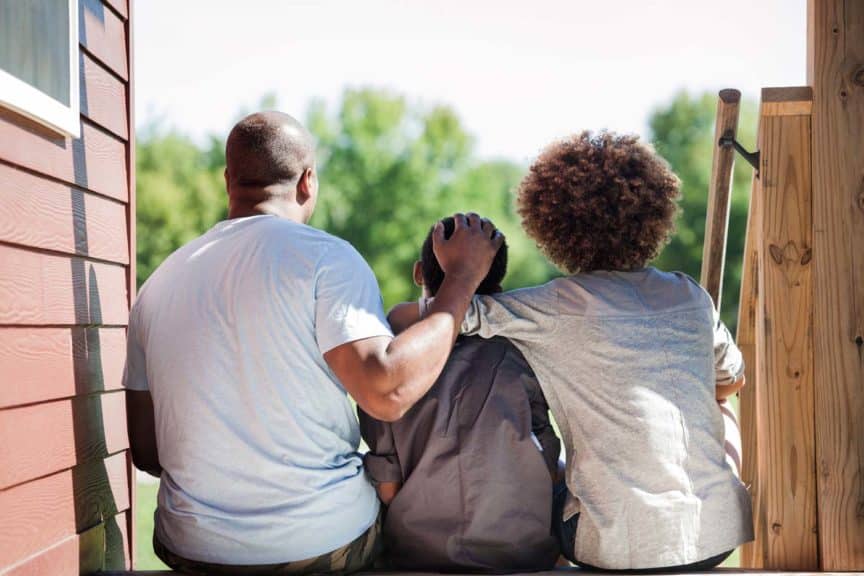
[520, 73]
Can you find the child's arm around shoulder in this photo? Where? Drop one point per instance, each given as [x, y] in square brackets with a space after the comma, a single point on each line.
[403, 316]
[724, 391]
[728, 361]
[524, 314]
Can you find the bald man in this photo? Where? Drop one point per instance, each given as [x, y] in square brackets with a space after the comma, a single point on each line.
[243, 348]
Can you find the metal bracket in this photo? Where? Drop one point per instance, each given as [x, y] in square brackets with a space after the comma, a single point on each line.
[752, 158]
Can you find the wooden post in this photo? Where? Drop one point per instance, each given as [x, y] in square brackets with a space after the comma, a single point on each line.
[717, 222]
[835, 70]
[751, 554]
[787, 453]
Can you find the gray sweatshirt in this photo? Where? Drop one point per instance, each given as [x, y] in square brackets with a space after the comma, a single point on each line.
[628, 362]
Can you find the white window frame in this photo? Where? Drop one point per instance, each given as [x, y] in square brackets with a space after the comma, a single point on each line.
[35, 104]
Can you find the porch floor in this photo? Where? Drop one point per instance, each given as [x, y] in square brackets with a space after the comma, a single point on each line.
[558, 572]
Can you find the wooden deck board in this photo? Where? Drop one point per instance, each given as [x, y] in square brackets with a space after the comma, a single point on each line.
[558, 572]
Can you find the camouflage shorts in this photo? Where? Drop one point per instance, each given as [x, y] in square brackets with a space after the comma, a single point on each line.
[354, 556]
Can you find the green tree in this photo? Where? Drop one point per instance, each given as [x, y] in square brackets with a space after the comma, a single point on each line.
[389, 170]
[180, 193]
[683, 132]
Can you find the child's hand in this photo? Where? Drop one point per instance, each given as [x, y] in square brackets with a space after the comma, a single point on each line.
[387, 491]
[724, 391]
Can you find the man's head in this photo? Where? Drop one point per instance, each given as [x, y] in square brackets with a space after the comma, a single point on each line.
[429, 275]
[270, 167]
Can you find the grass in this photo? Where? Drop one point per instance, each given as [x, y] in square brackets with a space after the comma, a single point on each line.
[145, 557]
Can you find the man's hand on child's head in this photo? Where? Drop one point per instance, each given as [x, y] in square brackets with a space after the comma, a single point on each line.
[470, 250]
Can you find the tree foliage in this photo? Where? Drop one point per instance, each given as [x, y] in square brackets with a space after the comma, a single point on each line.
[180, 193]
[683, 132]
[389, 168]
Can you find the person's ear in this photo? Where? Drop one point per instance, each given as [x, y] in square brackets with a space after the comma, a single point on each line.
[418, 273]
[306, 186]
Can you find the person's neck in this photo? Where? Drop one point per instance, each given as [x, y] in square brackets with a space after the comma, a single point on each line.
[289, 211]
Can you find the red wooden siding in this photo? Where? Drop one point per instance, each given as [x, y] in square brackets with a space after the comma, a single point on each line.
[45, 214]
[44, 512]
[106, 97]
[102, 33]
[66, 281]
[95, 162]
[56, 363]
[38, 288]
[42, 438]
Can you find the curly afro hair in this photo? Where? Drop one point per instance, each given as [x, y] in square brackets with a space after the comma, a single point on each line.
[599, 202]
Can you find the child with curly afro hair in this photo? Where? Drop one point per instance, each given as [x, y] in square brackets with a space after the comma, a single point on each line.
[632, 360]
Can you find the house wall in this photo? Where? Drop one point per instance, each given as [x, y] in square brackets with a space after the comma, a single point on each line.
[66, 280]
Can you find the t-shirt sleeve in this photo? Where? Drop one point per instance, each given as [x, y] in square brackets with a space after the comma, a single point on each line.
[135, 371]
[348, 305]
[728, 360]
[528, 314]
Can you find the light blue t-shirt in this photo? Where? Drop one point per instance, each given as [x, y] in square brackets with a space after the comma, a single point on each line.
[257, 438]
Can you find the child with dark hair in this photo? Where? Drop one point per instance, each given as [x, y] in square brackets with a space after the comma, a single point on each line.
[634, 362]
[467, 473]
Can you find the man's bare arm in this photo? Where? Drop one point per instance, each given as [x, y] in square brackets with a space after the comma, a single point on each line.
[141, 426]
[386, 376]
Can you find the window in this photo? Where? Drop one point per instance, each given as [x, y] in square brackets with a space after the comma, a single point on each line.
[39, 61]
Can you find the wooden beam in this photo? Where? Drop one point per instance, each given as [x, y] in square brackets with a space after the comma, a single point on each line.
[558, 572]
[717, 221]
[836, 73]
[787, 101]
[787, 475]
[751, 554]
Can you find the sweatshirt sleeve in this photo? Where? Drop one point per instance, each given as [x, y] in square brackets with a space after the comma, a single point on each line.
[728, 361]
[529, 314]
